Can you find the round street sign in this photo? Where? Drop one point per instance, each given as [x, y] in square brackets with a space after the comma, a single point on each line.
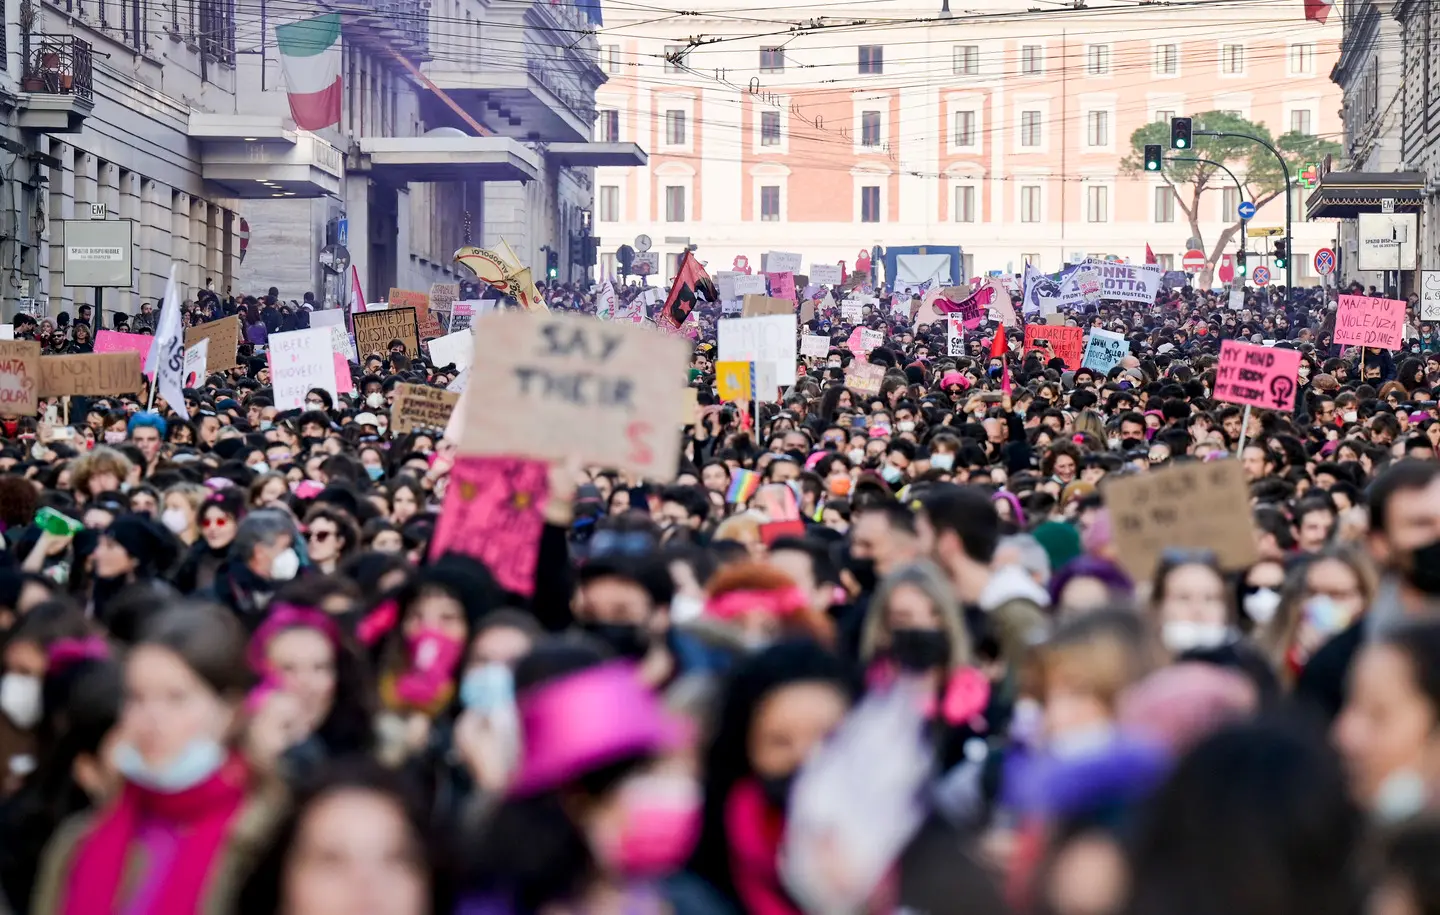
[642, 243]
[1325, 261]
[335, 258]
[1246, 209]
[1261, 276]
[1193, 261]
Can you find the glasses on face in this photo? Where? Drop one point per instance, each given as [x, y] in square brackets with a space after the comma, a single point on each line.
[319, 536]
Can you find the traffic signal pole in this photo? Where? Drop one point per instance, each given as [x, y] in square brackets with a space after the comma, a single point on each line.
[1289, 202]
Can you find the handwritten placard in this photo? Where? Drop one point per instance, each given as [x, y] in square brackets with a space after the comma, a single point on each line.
[495, 512]
[559, 386]
[456, 349]
[864, 378]
[759, 305]
[1363, 321]
[419, 406]
[19, 378]
[1068, 343]
[954, 336]
[1184, 506]
[1104, 350]
[852, 313]
[782, 286]
[750, 285]
[1129, 282]
[299, 361]
[863, 339]
[782, 262]
[224, 337]
[1257, 376]
[815, 346]
[375, 329]
[825, 274]
[771, 339]
[91, 374]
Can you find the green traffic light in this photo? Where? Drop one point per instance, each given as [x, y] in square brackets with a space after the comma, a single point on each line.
[1180, 143]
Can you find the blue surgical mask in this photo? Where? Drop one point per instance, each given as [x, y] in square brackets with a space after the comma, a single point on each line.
[375, 471]
[891, 473]
[942, 461]
[201, 758]
[266, 425]
[488, 688]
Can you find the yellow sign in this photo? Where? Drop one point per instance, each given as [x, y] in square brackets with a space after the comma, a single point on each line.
[732, 381]
[1263, 231]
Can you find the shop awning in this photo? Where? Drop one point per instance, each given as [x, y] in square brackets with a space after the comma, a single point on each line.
[598, 154]
[1345, 195]
[433, 158]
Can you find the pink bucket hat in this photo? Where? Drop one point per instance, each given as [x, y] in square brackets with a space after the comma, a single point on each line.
[586, 720]
[950, 378]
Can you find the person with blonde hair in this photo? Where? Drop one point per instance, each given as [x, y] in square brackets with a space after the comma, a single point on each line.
[102, 470]
[180, 510]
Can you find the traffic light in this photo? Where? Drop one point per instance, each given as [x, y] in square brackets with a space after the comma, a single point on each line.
[577, 250]
[1280, 256]
[552, 263]
[1241, 270]
[1152, 157]
[1180, 133]
[591, 246]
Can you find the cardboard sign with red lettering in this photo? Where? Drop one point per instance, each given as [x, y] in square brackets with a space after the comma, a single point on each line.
[1363, 321]
[19, 378]
[1068, 343]
[865, 379]
[1257, 376]
[495, 512]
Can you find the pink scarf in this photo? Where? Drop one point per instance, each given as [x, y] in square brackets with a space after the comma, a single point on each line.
[754, 829]
[201, 816]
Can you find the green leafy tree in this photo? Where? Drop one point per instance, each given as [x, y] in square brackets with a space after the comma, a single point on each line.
[1261, 180]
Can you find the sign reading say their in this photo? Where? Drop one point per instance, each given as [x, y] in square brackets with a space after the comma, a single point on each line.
[419, 406]
[558, 386]
[1185, 506]
[375, 329]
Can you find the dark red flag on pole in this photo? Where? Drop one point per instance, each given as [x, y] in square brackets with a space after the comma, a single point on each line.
[692, 284]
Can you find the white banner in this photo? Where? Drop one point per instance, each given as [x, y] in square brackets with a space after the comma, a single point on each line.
[769, 338]
[1430, 296]
[1130, 282]
[917, 273]
[814, 346]
[825, 274]
[782, 262]
[301, 360]
[955, 337]
[750, 285]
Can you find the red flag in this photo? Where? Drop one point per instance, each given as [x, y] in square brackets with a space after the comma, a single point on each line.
[998, 348]
[1317, 10]
[692, 284]
[1150, 255]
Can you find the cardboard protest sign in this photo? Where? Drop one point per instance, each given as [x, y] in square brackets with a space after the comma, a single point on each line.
[1064, 342]
[863, 339]
[758, 305]
[1104, 350]
[1363, 321]
[375, 329]
[110, 341]
[1129, 282]
[864, 378]
[559, 386]
[224, 337]
[692, 406]
[825, 274]
[456, 349]
[1257, 376]
[782, 286]
[750, 285]
[495, 512]
[771, 338]
[1184, 506]
[301, 360]
[427, 326]
[92, 374]
[420, 406]
[193, 373]
[19, 378]
[954, 336]
[781, 262]
[334, 322]
[1003, 309]
[815, 346]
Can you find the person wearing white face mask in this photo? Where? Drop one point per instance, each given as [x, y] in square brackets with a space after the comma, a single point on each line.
[25, 662]
[180, 511]
[266, 553]
[1190, 604]
[184, 788]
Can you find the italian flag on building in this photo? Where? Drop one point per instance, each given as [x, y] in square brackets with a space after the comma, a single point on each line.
[310, 58]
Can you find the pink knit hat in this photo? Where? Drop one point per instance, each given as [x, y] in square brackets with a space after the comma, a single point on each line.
[950, 378]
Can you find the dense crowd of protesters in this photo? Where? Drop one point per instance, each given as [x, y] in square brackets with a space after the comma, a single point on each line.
[235, 679]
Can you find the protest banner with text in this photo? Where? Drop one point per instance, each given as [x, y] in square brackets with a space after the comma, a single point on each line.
[1104, 350]
[91, 374]
[771, 338]
[1257, 376]
[1190, 506]
[375, 329]
[19, 378]
[420, 406]
[1363, 321]
[1068, 343]
[224, 337]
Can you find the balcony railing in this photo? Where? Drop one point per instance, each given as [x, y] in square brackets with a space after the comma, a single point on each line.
[60, 65]
[579, 106]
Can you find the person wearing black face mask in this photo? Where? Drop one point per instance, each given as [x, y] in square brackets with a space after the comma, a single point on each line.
[1132, 431]
[623, 603]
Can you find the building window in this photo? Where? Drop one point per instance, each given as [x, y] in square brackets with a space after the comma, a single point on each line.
[673, 58]
[872, 59]
[1030, 129]
[967, 60]
[672, 265]
[1167, 59]
[1030, 203]
[675, 127]
[609, 203]
[1302, 60]
[769, 128]
[1097, 128]
[1232, 59]
[1235, 112]
[1097, 203]
[1229, 203]
[869, 128]
[1300, 121]
[770, 203]
[1166, 262]
[609, 125]
[1097, 60]
[1164, 204]
[674, 204]
[964, 128]
[1164, 115]
[964, 203]
[1032, 60]
[1031, 260]
[772, 60]
[870, 203]
[610, 57]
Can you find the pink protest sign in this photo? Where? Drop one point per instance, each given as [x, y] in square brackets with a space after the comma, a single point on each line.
[494, 511]
[110, 341]
[863, 340]
[1363, 321]
[970, 309]
[1256, 376]
[782, 286]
